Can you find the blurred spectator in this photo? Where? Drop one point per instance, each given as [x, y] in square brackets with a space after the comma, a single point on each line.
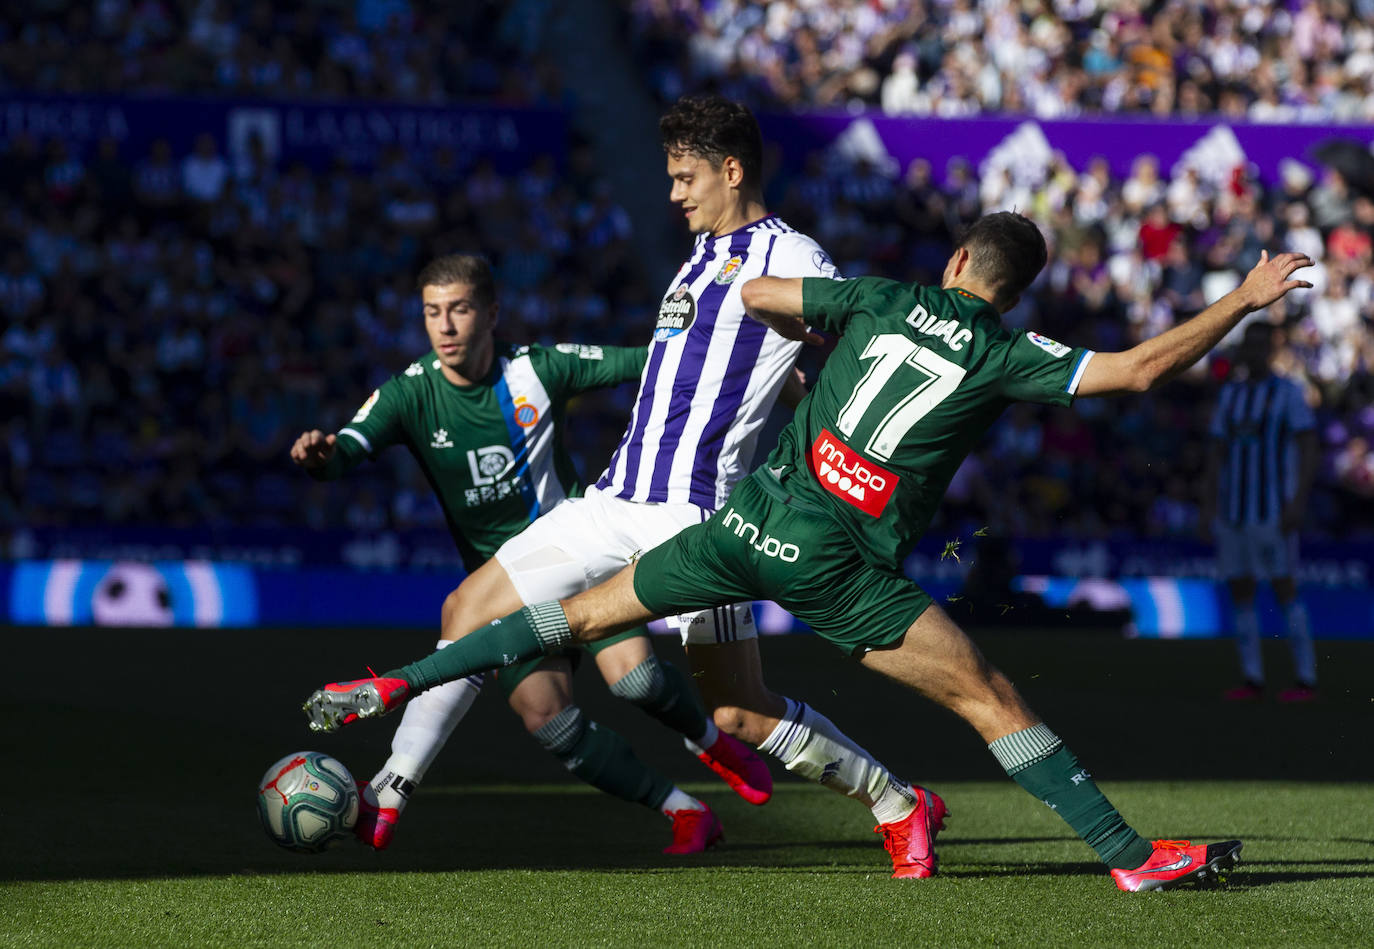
[204, 172]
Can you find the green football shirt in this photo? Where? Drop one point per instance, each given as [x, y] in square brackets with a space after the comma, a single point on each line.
[918, 376]
[492, 451]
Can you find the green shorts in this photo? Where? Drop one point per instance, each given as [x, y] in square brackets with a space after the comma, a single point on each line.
[765, 544]
[509, 677]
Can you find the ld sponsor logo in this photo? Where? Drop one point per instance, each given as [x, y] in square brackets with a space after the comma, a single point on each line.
[850, 477]
[770, 546]
[675, 314]
[489, 463]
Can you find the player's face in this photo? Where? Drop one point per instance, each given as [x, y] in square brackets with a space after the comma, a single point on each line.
[459, 328]
[704, 194]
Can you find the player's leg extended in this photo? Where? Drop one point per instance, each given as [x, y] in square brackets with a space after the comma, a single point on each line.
[938, 660]
[807, 743]
[533, 631]
[635, 674]
[430, 718]
[541, 694]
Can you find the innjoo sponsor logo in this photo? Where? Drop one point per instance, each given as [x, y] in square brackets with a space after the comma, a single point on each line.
[846, 474]
[770, 546]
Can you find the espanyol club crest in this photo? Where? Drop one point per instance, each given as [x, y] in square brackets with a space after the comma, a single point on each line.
[675, 314]
[526, 414]
[729, 270]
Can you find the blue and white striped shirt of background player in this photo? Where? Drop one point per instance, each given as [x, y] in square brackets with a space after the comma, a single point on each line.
[713, 373]
[1255, 423]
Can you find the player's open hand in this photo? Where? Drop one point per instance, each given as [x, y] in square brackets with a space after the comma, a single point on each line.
[313, 449]
[1269, 279]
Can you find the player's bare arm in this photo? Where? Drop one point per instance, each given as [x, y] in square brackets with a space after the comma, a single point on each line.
[776, 302]
[1159, 359]
[313, 449]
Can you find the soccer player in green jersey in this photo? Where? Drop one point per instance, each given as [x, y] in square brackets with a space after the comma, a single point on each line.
[483, 420]
[918, 375]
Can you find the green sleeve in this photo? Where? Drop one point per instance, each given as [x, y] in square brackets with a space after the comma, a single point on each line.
[1038, 369]
[579, 368]
[376, 425]
[828, 304]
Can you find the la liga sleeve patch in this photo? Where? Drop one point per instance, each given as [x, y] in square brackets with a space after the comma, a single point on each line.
[366, 409]
[1057, 350]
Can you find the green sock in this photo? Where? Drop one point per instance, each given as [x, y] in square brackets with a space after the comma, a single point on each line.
[662, 690]
[602, 758]
[533, 631]
[1036, 759]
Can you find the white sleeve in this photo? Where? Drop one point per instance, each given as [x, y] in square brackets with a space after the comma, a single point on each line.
[796, 255]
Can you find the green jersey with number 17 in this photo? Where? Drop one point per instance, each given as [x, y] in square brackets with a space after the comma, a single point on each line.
[918, 376]
[492, 451]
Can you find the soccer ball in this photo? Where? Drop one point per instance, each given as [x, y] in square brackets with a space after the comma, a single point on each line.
[307, 801]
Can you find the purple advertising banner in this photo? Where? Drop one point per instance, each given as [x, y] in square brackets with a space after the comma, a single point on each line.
[318, 133]
[1023, 145]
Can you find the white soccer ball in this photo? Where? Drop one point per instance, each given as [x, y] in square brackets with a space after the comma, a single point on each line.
[307, 801]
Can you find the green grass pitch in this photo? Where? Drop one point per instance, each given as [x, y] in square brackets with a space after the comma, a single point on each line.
[129, 819]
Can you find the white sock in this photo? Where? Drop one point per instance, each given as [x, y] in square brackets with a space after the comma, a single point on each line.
[809, 744]
[679, 800]
[1300, 642]
[1248, 643]
[707, 739]
[426, 724]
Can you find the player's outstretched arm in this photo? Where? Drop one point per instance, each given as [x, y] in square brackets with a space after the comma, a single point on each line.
[1160, 358]
[776, 302]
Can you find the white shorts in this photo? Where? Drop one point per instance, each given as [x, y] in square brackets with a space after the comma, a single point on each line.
[1261, 551]
[584, 541]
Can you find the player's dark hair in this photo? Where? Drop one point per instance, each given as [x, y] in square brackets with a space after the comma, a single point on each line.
[1007, 250]
[714, 129]
[471, 269]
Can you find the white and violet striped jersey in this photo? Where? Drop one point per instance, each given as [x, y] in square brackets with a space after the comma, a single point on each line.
[712, 373]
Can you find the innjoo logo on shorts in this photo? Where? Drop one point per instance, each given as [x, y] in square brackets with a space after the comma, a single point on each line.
[850, 477]
[770, 546]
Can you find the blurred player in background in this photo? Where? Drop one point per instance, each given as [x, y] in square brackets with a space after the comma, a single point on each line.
[1260, 469]
[711, 378]
[919, 375]
[483, 419]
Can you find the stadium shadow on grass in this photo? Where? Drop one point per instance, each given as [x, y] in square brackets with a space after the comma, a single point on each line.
[142, 760]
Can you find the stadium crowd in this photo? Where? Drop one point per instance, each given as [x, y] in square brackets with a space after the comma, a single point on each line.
[171, 321]
[1262, 60]
[373, 49]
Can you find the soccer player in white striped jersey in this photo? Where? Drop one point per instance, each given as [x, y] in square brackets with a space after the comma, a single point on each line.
[1261, 465]
[710, 380]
